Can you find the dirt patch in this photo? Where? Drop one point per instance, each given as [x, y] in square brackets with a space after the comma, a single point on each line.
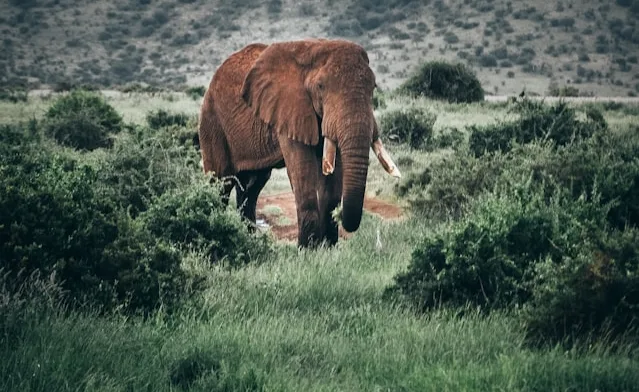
[278, 212]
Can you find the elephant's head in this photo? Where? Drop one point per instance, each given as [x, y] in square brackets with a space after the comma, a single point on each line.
[312, 87]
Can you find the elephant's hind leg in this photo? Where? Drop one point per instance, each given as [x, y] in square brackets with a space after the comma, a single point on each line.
[248, 191]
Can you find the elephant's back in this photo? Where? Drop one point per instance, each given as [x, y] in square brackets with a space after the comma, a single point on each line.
[229, 77]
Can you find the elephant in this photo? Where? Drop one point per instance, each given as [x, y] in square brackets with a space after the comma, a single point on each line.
[303, 105]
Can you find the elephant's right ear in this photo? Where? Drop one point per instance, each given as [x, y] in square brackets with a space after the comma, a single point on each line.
[274, 89]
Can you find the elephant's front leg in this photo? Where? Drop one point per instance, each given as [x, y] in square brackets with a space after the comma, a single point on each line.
[330, 194]
[303, 170]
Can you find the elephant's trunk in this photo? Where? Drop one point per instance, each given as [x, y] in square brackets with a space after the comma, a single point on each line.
[354, 157]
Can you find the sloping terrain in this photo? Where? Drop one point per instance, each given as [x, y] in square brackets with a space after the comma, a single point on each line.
[590, 44]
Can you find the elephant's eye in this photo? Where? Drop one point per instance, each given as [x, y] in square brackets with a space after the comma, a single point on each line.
[320, 86]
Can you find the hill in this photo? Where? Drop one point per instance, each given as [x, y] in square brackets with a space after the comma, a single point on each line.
[591, 45]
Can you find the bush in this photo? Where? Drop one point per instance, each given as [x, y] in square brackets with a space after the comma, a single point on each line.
[195, 217]
[56, 221]
[449, 183]
[563, 91]
[14, 96]
[82, 120]
[594, 293]
[448, 138]
[527, 247]
[142, 167]
[537, 121]
[603, 163]
[114, 229]
[274, 6]
[412, 126]
[440, 80]
[379, 100]
[162, 118]
[196, 92]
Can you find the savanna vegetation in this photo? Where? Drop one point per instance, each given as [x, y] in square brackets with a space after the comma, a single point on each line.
[586, 47]
[515, 267]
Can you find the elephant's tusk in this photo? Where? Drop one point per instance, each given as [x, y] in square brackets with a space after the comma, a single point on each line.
[328, 157]
[385, 158]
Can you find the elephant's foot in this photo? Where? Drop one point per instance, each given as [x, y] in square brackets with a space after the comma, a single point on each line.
[330, 231]
[308, 235]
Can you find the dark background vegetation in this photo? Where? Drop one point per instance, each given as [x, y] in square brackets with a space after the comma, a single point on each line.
[560, 47]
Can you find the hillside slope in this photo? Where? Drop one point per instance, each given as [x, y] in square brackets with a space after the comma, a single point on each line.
[590, 44]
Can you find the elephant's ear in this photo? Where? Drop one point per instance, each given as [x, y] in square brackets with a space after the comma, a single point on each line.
[274, 89]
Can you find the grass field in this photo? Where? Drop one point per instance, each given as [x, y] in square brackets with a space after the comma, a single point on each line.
[303, 320]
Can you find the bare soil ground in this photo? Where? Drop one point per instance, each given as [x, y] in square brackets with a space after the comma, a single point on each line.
[277, 211]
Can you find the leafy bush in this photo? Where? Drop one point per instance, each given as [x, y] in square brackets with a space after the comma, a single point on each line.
[196, 217]
[441, 80]
[413, 126]
[595, 292]
[56, 221]
[604, 163]
[534, 248]
[448, 138]
[113, 229]
[142, 167]
[379, 100]
[563, 91]
[82, 120]
[549, 226]
[163, 118]
[196, 92]
[449, 183]
[274, 6]
[537, 121]
[13, 95]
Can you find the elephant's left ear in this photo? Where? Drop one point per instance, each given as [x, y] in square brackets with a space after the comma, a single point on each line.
[274, 89]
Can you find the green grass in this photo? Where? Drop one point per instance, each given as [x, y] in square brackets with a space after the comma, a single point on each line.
[303, 320]
[306, 320]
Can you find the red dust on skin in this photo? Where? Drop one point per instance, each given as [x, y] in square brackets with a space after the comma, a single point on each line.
[284, 225]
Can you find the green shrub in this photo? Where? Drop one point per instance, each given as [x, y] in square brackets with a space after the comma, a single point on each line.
[114, 229]
[413, 126]
[56, 221]
[379, 100]
[13, 95]
[143, 166]
[82, 120]
[274, 7]
[163, 118]
[563, 91]
[537, 121]
[449, 183]
[484, 258]
[594, 293]
[441, 80]
[196, 92]
[196, 217]
[137, 271]
[605, 164]
[448, 138]
[531, 245]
